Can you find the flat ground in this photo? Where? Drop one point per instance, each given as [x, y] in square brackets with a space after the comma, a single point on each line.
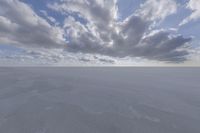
[99, 100]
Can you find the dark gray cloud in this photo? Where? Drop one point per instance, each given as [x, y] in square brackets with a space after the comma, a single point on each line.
[163, 46]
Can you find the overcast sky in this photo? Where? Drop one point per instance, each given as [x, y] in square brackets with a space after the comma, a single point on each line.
[100, 32]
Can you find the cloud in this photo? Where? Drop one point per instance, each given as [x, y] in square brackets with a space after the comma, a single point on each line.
[163, 46]
[92, 27]
[96, 59]
[104, 60]
[20, 25]
[36, 57]
[85, 60]
[104, 34]
[194, 6]
[157, 9]
[107, 61]
[49, 18]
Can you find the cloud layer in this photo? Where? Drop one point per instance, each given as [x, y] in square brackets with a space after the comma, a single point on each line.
[104, 34]
[93, 27]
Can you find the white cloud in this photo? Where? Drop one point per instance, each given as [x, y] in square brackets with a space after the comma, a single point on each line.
[49, 18]
[157, 9]
[194, 6]
[20, 25]
[103, 34]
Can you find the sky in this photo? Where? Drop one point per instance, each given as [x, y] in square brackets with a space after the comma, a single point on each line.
[99, 32]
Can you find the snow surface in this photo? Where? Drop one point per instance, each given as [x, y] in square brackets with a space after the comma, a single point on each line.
[99, 100]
